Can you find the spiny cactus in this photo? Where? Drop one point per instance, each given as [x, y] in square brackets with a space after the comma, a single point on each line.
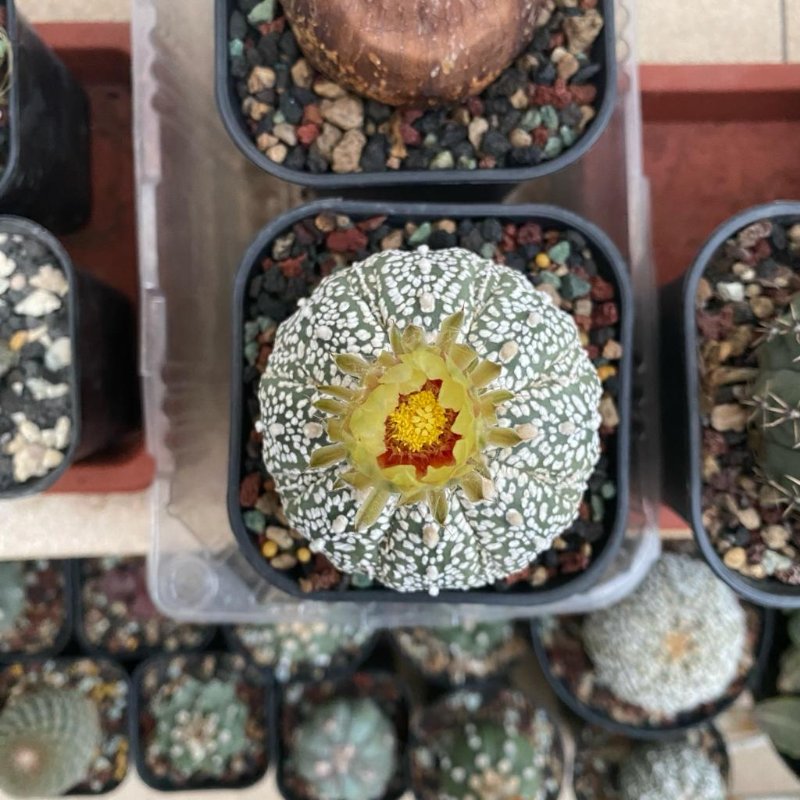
[347, 750]
[472, 650]
[12, 594]
[289, 647]
[48, 740]
[453, 427]
[485, 760]
[775, 432]
[673, 644]
[200, 726]
[674, 771]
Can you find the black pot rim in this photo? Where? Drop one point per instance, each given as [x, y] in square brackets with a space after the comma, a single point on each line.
[14, 225]
[142, 652]
[656, 733]
[231, 117]
[551, 215]
[768, 591]
[137, 750]
[13, 102]
[403, 736]
[67, 629]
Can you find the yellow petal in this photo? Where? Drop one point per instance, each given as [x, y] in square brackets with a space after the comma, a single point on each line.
[437, 503]
[330, 406]
[502, 437]
[462, 355]
[371, 508]
[325, 456]
[351, 364]
[342, 392]
[449, 331]
[473, 486]
[413, 336]
[485, 373]
[396, 340]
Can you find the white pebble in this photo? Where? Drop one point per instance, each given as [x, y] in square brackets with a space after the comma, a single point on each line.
[59, 354]
[732, 292]
[50, 279]
[37, 304]
[7, 265]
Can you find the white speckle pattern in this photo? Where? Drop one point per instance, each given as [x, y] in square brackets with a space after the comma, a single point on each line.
[541, 479]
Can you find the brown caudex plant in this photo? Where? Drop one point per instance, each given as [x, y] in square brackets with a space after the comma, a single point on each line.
[412, 52]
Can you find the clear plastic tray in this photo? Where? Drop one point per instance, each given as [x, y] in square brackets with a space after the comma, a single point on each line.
[200, 203]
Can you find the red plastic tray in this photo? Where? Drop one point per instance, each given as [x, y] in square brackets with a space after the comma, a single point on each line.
[99, 56]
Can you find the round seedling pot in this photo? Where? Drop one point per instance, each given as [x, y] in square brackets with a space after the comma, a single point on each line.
[102, 374]
[46, 176]
[611, 269]
[203, 634]
[603, 54]
[169, 668]
[108, 685]
[382, 687]
[61, 597]
[684, 721]
[681, 422]
[344, 662]
[766, 687]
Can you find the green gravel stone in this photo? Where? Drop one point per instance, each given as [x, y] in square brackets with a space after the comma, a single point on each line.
[559, 253]
[488, 250]
[360, 581]
[443, 160]
[608, 490]
[421, 234]
[598, 508]
[251, 352]
[553, 147]
[568, 135]
[263, 12]
[551, 278]
[251, 330]
[531, 119]
[235, 47]
[254, 520]
[549, 118]
[465, 162]
[572, 286]
[278, 117]
[430, 140]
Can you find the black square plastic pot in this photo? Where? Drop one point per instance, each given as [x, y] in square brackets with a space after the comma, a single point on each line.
[683, 722]
[680, 385]
[138, 704]
[346, 687]
[611, 267]
[766, 687]
[104, 385]
[46, 176]
[119, 676]
[125, 656]
[68, 626]
[458, 180]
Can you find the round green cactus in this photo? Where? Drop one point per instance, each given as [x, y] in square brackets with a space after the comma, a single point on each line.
[48, 740]
[347, 750]
[201, 726]
[289, 647]
[12, 594]
[776, 398]
[673, 644]
[471, 650]
[674, 771]
[430, 420]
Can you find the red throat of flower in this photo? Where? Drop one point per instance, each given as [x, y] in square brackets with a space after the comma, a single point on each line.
[419, 433]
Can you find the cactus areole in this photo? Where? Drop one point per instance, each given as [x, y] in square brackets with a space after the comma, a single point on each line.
[430, 420]
[775, 422]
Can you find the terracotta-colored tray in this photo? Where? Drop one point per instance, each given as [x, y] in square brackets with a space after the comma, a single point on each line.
[717, 139]
[99, 56]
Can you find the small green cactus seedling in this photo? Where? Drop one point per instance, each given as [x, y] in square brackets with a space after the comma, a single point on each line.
[674, 771]
[473, 650]
[48, 740]
[294, 646]
[672, 645]
[12, 594]
[200, 726]
[347, 750]
[775, 431]
[487, 761]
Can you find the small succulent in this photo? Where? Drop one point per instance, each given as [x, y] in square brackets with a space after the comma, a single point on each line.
[673, 771]
[291, 647]
[473, 749]
[430, 420]
[12, 594]
[779, 716]
[48, 740]
[200, 726]
[775, 429]
[347, 750]
[473, 650]
[674, 644]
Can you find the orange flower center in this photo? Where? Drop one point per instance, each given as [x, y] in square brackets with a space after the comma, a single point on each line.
[419, 431]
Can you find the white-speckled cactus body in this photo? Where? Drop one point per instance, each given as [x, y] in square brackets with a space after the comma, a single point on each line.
[453, 441]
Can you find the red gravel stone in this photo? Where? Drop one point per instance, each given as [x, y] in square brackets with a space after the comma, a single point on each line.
[601, 290]
[312, 115]
[292, 267]
[371, 224]
[307, 134]
[583, 93]
[349, 240]
[475, 106]
[249, 489]
[604, 315]
[529, 233]
[715, 326]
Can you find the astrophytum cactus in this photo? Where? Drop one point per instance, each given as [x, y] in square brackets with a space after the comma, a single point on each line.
[430, 420]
